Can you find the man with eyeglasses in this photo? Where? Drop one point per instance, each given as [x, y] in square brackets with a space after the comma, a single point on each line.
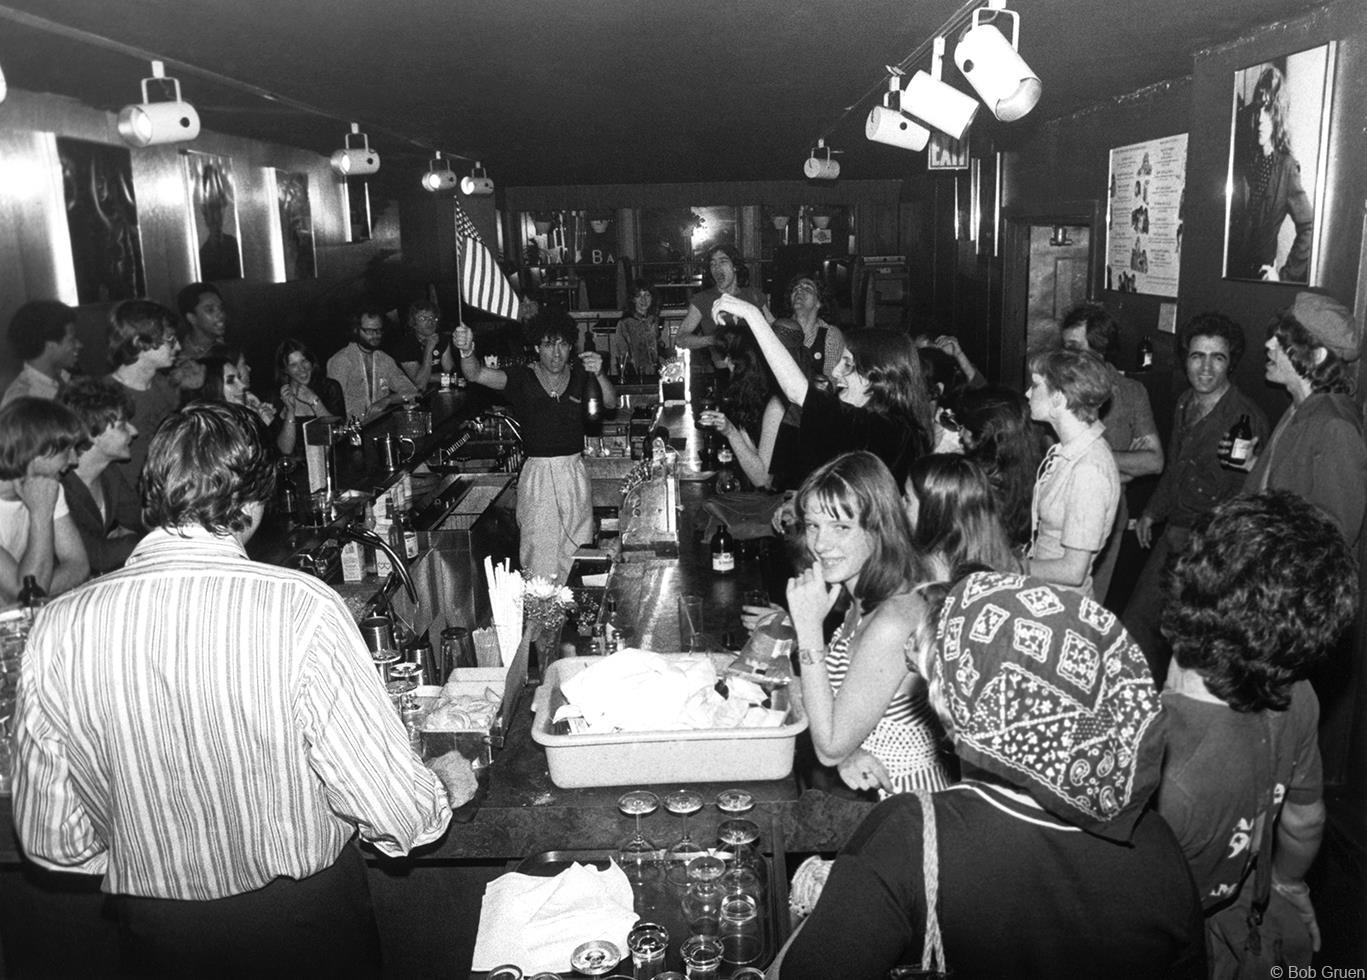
[371, 380]
[143, 348]
[424, 350]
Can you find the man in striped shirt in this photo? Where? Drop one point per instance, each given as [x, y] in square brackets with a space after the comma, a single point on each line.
[207, 732]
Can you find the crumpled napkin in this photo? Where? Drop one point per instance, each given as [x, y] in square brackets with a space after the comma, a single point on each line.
[536, 922]
[636, 690]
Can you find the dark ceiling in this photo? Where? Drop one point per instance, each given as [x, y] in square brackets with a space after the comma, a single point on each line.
[593, 92]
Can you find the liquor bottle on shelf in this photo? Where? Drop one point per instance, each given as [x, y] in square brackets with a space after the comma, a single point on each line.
[723, 551]
[1145, 353]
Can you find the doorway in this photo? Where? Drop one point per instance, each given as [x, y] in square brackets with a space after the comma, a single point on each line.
[1051, 263]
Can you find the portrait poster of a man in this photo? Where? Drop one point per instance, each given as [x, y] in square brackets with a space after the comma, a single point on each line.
[1276, 152]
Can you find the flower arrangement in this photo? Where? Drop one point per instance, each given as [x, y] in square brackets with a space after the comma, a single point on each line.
[544, 603]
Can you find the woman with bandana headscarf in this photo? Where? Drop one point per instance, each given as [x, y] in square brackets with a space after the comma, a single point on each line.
[1048, 863]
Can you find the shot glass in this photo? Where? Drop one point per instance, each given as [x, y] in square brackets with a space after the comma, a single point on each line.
[690, 622]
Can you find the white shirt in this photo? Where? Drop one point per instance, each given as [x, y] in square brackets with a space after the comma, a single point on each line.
[14, 523]
[197, 724]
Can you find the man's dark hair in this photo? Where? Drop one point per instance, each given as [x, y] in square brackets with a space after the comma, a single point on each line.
[365, 311]
[37, 323]
[1331, 375]
[97, 402]
[1214, 325]
[138, 325]
[549, 323]
[1102, 330]
[206, 463]
[1257, 596]
[189, 296]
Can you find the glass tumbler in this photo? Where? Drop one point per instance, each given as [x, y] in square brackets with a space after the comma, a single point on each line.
[647, 942]
[702, 957]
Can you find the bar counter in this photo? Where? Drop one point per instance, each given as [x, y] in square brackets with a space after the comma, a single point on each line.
[428, 904]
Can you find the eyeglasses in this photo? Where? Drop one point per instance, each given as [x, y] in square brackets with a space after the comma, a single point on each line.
[948, 422]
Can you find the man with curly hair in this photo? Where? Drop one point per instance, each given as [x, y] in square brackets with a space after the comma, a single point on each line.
[208, 733]
[1317, 448]
[1260, 593]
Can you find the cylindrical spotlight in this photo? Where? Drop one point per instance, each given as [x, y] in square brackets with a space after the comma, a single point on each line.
[473, 186]
[895, 128]
[999, 75]
[355, 162]
[939, 105]
[439, 180]
[152, 123]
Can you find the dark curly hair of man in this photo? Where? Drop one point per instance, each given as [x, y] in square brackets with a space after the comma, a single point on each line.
[1262, 590]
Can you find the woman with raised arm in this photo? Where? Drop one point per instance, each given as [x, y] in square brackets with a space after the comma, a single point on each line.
[879, 404]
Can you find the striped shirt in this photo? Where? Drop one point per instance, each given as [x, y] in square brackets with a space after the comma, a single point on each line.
[906, 738]
[197, 724]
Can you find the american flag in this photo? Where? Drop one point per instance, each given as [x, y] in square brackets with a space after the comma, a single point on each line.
[482, 282]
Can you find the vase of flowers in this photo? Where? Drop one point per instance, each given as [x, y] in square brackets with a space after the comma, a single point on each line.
[545, 607]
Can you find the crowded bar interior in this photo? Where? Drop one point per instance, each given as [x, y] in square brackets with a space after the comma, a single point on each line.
[789, 489]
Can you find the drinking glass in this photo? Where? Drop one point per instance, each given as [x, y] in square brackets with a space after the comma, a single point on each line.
[403, 679]
[701, 904]
[690, 622]
[647, 942]
[638, 856]
[702, 957]
[738, 928]
[735, 801]
[682, 802]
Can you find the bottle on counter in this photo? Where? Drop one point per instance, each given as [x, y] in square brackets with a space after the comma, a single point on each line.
[1240, 442]
[32, 596]
[727, 481]
[723, 551]
[404, 536]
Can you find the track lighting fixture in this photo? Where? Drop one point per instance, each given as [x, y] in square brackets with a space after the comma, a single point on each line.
[936, 104]
[478, 183]
[887, 123]
[356, 161]
[993, 66]
[4, 89]
[821, 168]
[439, 176]
[149, 123]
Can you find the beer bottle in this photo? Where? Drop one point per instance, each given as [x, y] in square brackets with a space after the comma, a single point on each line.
[32, 596]
[723, 551]
[1145, 353]
[727, 481]
[1240, 441]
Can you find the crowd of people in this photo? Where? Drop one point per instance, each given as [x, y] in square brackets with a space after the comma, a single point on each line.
[1066, 787]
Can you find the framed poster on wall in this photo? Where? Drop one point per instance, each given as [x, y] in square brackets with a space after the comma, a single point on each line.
[1144, 216]
[213, 215]
[296, 225]
[1278, 138]
[102, 217]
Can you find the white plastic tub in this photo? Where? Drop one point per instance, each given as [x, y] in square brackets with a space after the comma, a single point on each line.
[703, 755]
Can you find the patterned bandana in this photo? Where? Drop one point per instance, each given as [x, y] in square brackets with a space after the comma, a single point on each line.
[1048, 692]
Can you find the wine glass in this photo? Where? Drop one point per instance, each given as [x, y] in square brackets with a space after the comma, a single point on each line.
[683, 802]
[735, 801]
[702, 899]
[637, 856]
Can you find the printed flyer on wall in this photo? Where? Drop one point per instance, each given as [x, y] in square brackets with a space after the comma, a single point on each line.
[1144, 217]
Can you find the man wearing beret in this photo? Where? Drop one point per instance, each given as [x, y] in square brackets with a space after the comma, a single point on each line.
[1316, 449]
[1317, 452]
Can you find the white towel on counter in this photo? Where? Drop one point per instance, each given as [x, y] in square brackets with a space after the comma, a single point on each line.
[536, 923]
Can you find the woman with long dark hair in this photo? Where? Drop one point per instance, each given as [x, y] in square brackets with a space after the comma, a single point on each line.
[998, 435]
[953, 516]
[305, 392]
[880, 402]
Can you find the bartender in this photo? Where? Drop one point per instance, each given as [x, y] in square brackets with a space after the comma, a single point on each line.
[554, 498]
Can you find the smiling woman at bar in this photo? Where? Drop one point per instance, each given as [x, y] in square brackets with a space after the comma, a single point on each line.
[868, 714]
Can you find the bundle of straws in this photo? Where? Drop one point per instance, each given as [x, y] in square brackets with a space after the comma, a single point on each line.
[505, 600]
